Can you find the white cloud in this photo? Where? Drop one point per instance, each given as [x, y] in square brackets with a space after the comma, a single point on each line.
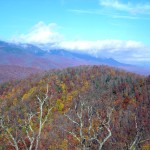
[138, 8]
[40, 33]
[112, 15]
[126, 17]
[111, 45]
[82, 11]
[124, 51]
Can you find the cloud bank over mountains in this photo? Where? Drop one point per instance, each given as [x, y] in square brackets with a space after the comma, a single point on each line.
[131, 52]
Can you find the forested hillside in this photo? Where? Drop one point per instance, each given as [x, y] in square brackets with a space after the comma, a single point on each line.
[11, 72]
[86, 107]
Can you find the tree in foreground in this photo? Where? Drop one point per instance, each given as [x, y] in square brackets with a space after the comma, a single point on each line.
[25, 131]
[91, 126]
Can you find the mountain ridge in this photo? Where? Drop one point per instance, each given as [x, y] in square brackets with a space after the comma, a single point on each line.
[29, 55]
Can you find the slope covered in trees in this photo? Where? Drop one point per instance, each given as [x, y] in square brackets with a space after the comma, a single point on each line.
[87, 107]
[11, 72]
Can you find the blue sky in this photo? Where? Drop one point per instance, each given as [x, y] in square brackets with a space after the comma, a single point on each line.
[109, 28]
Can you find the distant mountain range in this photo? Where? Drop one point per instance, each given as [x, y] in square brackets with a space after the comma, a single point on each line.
[27, 55]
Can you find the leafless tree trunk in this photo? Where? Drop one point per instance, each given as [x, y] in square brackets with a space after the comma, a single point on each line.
[137, 137]
[93, 133]
[43, 119]
[31, 133]
[12, 140]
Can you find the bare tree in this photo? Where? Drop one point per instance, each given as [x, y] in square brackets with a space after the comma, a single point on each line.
[33, 135]
[138, 139]
[84, 119]
[12, 140]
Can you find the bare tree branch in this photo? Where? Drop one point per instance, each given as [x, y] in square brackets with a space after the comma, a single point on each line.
[10, 137]
[86, 140]
[32, 134]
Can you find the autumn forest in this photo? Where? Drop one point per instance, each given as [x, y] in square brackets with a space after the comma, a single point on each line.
[80, 108]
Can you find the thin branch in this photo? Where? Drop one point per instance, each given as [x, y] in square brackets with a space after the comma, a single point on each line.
[137, 137]
[46, 118]
[71, 119]
[73, 134]
[9, 134]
